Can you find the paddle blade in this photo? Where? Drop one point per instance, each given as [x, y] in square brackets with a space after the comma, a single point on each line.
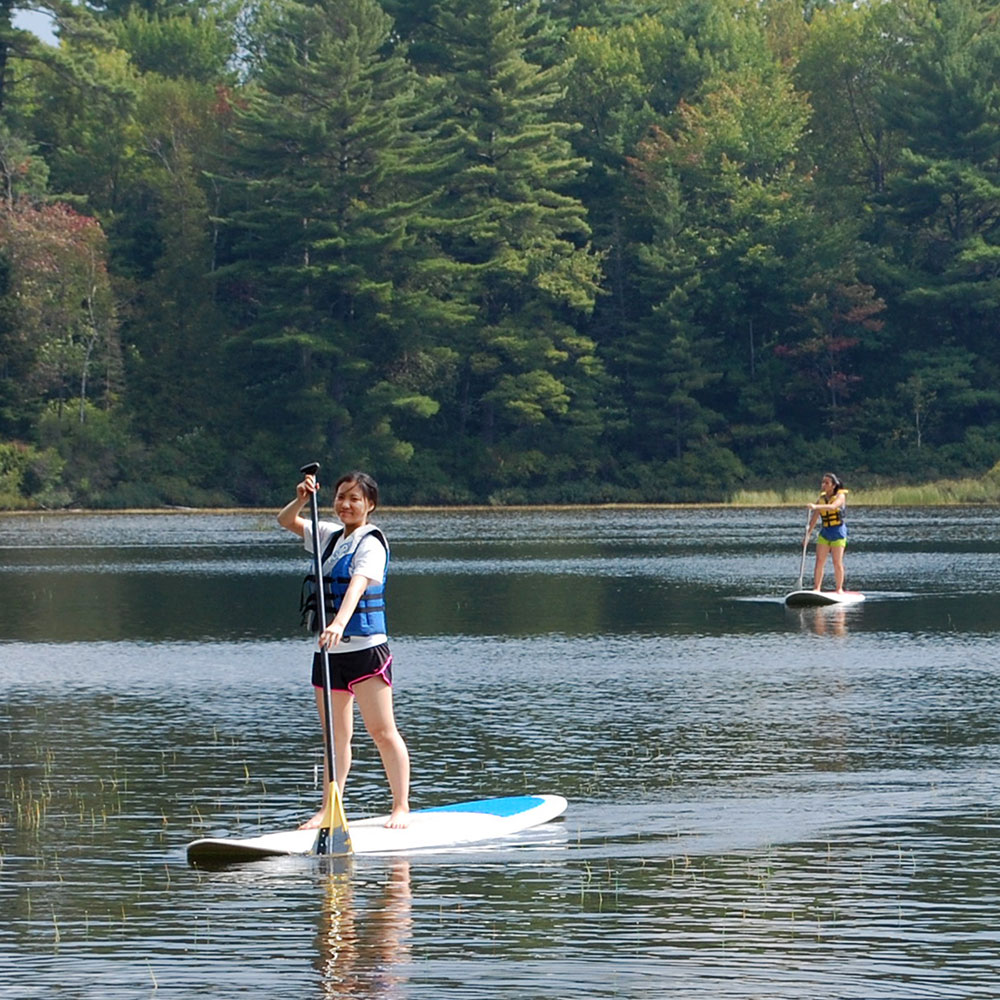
[333, 837]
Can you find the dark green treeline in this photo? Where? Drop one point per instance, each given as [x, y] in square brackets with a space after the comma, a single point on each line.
[563, 251]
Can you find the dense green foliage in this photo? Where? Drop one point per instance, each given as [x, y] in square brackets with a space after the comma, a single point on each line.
[543, 251]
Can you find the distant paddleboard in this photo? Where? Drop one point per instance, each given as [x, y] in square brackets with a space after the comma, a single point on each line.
[440, 826]
[817, 598]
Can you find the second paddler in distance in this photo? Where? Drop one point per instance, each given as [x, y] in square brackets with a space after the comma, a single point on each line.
[828, 511]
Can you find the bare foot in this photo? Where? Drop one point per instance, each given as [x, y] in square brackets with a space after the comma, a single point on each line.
[315, 822]
[399, 819]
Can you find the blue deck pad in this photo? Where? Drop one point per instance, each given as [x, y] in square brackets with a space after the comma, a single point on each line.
[510, 806]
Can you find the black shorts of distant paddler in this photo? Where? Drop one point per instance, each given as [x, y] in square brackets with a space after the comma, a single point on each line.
[353, 666]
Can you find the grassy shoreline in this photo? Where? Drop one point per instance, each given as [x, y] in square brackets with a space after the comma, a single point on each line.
[979, 491]
[901, 496]
[950, 493]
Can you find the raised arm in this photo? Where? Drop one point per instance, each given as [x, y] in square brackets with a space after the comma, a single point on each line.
[288, 516]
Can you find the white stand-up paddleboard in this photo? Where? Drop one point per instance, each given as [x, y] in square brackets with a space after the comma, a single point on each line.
[440, 826]
[818, 598]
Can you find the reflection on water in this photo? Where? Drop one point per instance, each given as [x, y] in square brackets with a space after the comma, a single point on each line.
[195, 577]
[361, 951]
[764, 801]
[830, 620]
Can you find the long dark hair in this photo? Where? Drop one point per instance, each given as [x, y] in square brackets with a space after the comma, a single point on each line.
[365, 483]
[837, 484]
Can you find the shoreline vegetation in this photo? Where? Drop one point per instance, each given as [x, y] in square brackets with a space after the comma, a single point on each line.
[941, 493]
[982, 491]
[533, 253]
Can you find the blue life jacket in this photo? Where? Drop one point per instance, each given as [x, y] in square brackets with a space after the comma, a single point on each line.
[369, 615]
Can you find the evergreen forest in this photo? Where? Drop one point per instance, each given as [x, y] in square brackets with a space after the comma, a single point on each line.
[496, 251]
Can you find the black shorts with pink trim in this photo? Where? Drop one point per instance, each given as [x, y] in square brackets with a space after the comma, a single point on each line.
[348, 669]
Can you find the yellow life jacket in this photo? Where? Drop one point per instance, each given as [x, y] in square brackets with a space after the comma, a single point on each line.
[832, 518]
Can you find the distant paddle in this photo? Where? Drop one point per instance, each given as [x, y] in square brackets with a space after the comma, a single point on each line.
[333, 837]
[805, 545]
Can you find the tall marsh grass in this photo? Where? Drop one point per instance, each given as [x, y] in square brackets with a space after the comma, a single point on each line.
[985, 489]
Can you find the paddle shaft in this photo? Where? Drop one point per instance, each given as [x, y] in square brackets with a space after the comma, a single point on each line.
[324, 841]
[805, 545]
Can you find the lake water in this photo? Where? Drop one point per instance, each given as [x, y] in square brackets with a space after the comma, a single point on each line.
[764, 803]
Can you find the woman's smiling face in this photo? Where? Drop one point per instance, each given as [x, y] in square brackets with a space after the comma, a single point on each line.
[351, 505]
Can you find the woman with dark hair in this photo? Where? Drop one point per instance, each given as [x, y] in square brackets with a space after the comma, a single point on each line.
[832, 537]
[355, 560]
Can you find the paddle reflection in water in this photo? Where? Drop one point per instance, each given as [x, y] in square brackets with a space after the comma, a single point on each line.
[363, 947]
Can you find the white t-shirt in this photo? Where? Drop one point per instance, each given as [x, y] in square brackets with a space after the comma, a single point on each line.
[369, 560]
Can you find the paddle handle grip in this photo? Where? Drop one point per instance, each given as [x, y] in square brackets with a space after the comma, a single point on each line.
[310, 469]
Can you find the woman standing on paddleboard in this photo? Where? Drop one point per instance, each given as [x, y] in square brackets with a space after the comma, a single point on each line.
[832, 537]
[355, 562]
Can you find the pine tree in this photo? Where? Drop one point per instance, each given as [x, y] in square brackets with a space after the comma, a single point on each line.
[941, 206]
[339, 300]
[173, 330]
[522, 241]
[943, 203]
[731, 238]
